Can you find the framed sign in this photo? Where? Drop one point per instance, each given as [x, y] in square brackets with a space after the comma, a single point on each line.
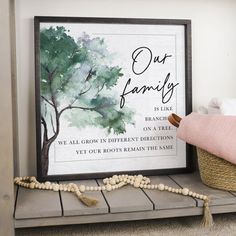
[104, 90]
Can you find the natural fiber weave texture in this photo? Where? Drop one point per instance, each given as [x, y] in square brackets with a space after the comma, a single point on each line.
[216, 172]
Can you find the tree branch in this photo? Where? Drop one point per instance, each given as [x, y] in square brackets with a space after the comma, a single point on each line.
[53, 72]
[89, 75]
[77, 107]
[52, 96]
[45, 134]
[53, 128]
[51, 139]
[81, 93]
[100, 89]
[85, 108]
[45, 68]
[47, 100]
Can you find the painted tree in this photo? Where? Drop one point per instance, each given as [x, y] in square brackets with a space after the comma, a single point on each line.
[76, 82]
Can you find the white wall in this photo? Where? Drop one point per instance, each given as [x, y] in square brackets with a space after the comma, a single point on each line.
[213, 53]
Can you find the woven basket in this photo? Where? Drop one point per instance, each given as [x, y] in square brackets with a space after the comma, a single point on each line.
[216, 172]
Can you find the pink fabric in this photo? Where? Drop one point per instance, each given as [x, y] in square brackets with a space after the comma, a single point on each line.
[213, 133]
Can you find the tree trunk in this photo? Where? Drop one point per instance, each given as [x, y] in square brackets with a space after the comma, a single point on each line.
[46, 146]
[44, 157]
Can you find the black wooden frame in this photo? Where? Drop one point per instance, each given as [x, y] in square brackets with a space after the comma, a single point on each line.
[188, 89]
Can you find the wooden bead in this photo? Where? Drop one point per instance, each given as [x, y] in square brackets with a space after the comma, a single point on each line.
[32, 179]
[47, 183]
[32, 185]
[161, 187]
[113, 182]
[76, 188]
[55, 187]
[108, 187]
[185, 191]
[136, 184]
[16, 179]
[140, 177]
[43, 186]
[81, 188]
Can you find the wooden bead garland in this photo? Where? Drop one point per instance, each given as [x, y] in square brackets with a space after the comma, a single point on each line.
[112, 183]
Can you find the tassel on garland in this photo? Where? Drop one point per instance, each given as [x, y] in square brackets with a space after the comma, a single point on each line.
[87, 200]
[207, 220]
[78, 190]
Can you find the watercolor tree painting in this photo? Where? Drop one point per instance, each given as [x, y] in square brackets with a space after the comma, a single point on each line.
[76, 80]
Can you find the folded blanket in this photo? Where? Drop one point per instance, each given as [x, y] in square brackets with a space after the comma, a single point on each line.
[213, 133]
[224, 106]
